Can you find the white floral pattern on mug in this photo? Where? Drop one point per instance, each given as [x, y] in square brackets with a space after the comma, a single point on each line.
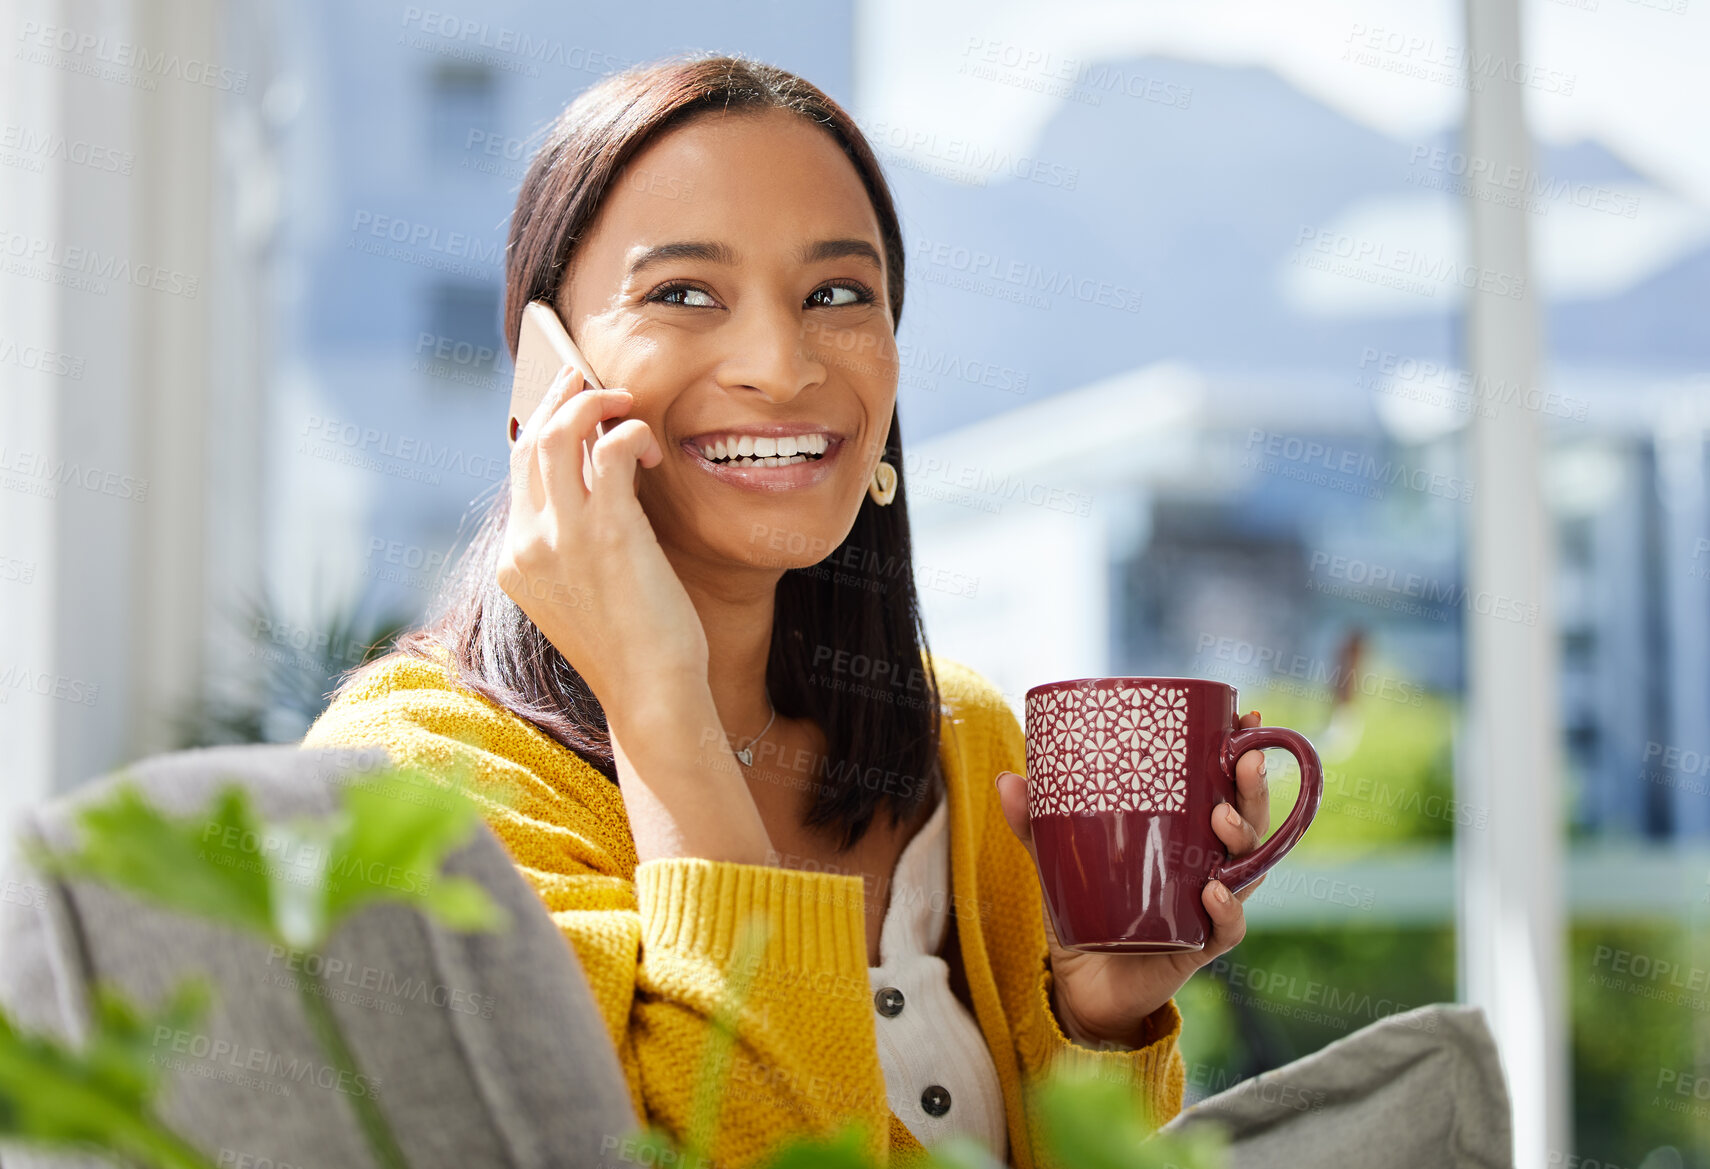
[1107, 749]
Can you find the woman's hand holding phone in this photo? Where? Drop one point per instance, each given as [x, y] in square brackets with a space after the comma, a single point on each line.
[581, 560]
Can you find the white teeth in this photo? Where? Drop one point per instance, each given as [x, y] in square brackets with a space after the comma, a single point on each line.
[748, 451]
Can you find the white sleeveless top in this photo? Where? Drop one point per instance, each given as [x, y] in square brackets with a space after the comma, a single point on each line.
[939, 1077]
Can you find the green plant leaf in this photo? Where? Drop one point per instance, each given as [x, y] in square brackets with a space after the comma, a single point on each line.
[714, 1073]
[53, 1095]
[211, 866]
[842, 1151]
[390, 843]
[294, 882]
[960, 1153]
[1094, 1122]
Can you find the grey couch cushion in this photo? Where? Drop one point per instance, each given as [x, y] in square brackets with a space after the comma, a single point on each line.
[1418, 1090]
[483, 1049]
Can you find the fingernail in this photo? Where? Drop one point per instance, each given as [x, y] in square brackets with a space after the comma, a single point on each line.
[1261, 767]
[1219, 893]
[1231, 816]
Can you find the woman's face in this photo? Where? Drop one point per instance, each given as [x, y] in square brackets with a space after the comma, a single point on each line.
[734, 282]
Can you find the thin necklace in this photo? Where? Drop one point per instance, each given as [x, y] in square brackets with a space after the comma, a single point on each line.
[747, 753]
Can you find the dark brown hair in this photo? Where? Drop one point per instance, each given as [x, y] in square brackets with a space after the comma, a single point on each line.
[847, 640]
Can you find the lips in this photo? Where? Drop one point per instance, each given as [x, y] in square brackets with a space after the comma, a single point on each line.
[799, 472]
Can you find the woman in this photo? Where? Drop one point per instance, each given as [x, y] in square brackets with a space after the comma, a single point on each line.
[688, 664]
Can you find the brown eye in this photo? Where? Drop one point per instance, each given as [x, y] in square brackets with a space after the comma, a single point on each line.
[671, 294]
[839, 295]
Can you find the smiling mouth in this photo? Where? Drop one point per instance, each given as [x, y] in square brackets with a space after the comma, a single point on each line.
[813, 460]
[767, 461]
[765, 452]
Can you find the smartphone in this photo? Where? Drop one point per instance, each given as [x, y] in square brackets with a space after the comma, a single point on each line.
[543, 348]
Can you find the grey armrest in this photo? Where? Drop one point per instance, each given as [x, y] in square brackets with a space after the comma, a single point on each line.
[1418, 1090]
[483, 1049]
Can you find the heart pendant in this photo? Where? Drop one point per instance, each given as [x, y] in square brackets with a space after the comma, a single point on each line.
[747, 756]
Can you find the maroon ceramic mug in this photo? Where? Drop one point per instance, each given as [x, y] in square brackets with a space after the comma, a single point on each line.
[1122, 776]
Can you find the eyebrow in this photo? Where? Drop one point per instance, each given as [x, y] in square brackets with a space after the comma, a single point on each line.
[713, 252]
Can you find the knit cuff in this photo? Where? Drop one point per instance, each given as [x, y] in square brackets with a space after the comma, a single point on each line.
[1155, 1070]
[813, 921]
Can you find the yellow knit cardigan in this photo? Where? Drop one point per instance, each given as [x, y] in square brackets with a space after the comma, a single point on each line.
[656, 940]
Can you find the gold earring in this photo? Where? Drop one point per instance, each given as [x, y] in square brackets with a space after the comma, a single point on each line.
[883, 488]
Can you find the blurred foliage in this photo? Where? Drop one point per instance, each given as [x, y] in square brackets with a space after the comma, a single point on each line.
[1640, 995]
[1087, 1121]
[291, 668]
[291, 883]
[1389, 787]
[1388, 766]
[99, 1096]
[1282, 994]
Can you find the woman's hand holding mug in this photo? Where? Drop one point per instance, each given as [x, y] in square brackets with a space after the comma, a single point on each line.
[1144, 810]
[581, 559]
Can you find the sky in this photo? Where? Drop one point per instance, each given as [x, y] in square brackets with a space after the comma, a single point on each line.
[1625, 72]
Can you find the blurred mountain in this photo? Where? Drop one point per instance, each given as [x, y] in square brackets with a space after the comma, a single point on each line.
[1201, 211]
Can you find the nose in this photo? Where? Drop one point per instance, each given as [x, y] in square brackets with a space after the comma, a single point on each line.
[768, 352]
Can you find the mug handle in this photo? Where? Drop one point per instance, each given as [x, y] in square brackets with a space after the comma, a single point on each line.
[1240, 872]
